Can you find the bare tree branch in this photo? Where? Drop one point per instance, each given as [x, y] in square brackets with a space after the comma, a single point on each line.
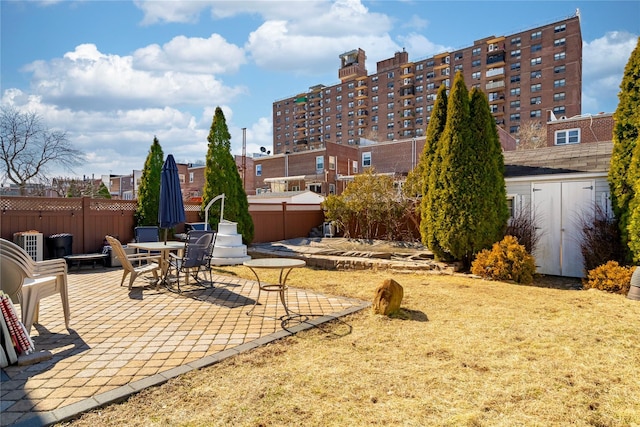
[28, 149]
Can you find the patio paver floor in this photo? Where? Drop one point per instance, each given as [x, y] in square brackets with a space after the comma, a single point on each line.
[122, 341]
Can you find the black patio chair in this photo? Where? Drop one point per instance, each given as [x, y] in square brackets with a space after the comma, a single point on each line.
[193, 258]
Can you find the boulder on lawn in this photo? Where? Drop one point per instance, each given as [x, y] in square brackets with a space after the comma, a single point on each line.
[388, 297]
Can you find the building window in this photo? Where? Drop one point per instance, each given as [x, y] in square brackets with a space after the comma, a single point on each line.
[535, 113]
[536, 100]
[477, 75]
[536, 35]
[515, 40]
[536, 61]
[515, 91]
[515, 66]
[258, 170]
[514, 129]
[190, 176]
[476, 51]
[515, 104]
[559, 56]
[559, 96]
[560, 28]
[515, 78]
[559, 109]
[514, 117]
[559, 83]
[476, 63]
[536, 74]
[560, 42]
[536, 87]
[515, 53]
[567, 136]
[536, 47]
[366, 159]
[559, 69]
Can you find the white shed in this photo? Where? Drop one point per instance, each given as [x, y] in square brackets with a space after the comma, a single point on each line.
[560, 187]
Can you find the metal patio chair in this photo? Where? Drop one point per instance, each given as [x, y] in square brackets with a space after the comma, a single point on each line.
[193, 259]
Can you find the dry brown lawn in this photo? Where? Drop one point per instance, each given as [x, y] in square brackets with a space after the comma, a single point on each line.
[462, 352]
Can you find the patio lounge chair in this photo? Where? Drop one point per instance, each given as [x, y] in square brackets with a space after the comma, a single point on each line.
[194, 257]
[27, 281]
[152, 262]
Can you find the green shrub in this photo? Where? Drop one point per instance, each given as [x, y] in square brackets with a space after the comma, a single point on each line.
[611, 277]
[507, 260]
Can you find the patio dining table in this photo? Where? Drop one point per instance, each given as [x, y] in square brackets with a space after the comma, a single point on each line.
[163, 247]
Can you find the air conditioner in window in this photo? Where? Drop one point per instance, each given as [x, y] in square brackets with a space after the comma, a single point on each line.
[538, 102]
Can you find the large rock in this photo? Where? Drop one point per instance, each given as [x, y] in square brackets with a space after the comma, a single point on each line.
[388, 297]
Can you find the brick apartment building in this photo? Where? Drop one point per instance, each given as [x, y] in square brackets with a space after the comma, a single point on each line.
[525, 76]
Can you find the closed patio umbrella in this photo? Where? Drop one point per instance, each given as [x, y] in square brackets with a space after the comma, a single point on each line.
[171, 209]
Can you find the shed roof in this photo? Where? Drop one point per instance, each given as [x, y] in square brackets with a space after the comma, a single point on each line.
[573, 158]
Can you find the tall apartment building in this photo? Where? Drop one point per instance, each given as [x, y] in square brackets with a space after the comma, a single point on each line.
[525, 75]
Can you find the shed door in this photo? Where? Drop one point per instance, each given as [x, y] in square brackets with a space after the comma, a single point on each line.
[560, 209]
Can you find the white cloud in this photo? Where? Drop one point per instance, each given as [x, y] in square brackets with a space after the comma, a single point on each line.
[419, 46]
[416, 22]
[603, 62]
[87, 78]
[191, 55]
[171, 11]
[274, 47]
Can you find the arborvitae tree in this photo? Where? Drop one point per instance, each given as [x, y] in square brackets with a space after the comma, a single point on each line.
[149, 188]
[491, 192]
[103, 192]
[221, 176]
[624, 171]
[430, 172]
[417, 177]
[457, 212]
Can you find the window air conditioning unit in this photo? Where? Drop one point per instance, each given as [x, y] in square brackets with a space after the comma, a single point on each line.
[538, 102]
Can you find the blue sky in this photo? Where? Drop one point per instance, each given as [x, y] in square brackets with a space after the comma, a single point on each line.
[113, 74]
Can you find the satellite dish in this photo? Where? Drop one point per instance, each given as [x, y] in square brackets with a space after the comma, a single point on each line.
[262, 149]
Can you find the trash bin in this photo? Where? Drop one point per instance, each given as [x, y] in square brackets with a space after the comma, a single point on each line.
[60, 245]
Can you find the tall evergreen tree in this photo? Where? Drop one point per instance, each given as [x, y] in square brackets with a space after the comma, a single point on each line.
[430, 172]
[458, 210]
[149, 188]
[491, 191]
[624, 172]
[221, 176]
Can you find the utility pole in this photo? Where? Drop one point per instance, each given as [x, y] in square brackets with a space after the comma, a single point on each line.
[244, 158]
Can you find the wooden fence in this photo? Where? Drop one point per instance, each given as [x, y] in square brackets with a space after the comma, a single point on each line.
[89, 220]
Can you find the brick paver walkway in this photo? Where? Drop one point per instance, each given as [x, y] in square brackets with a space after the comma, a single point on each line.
[122, 341]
